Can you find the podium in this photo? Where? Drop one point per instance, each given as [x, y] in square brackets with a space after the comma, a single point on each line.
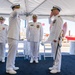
[72, 44]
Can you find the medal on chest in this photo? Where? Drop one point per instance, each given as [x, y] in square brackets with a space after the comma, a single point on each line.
[54, 21]
[37, 26]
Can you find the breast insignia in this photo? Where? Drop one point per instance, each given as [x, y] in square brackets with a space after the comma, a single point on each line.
[54, 21]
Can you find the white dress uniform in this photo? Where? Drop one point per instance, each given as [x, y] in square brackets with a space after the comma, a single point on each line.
[3, 41]
[55, 33]
[34, 34]
[13, 37]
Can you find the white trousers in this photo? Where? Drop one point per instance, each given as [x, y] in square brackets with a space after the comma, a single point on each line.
[13, 45]
[34, 48]
[2, 51]
[57, 61]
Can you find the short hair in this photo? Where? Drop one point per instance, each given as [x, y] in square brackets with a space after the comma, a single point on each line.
[34, 16]
[1, 18]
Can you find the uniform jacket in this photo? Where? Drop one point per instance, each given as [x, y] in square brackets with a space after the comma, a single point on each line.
[34, 32]
[3, 33]
[56, 28]
[14, 25]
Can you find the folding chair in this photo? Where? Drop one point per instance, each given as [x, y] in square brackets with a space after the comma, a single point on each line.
[47, 50]
[21, 49]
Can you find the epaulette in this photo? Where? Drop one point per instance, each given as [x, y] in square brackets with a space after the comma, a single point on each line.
[59, 17]
[5, 24]
[31, 24]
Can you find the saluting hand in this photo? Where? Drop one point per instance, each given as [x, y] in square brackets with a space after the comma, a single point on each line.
[51, 14]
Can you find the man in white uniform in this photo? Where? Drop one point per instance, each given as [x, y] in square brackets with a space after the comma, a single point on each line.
[34, 35]
[13, 37]
[3, 38]
[55, 38]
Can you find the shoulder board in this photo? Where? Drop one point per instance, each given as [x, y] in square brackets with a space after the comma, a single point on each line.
[60, 17]
[5, 24]
[31, 24]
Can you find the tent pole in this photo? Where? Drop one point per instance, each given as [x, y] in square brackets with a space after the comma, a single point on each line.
[38, 6]
[26, 5]
[9, 1]
[27, 20]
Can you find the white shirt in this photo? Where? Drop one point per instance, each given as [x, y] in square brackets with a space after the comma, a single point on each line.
[3, 33]
[56, 28]
[34, 32]
[14, 25]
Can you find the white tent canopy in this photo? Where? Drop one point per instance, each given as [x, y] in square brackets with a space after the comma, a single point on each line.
[40, 7]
